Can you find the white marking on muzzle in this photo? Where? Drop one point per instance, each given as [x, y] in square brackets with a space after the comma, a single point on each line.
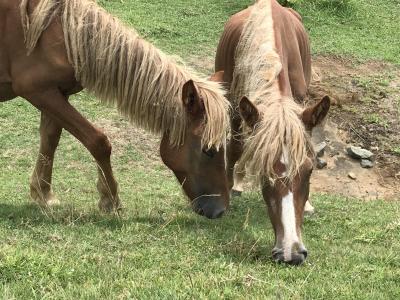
[289, 226]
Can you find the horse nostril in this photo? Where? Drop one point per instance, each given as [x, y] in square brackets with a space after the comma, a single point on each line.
[200, 211]
[304, 252]
[218, 213]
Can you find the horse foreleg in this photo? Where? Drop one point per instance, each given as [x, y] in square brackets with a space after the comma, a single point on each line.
[40, 186]
[54, 104]
[235, 150]
[238, 179]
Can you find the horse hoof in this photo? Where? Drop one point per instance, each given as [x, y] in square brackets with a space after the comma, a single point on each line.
[308, 209]
[235, 193]
[53, 202]
[108, 206]
[48, 200]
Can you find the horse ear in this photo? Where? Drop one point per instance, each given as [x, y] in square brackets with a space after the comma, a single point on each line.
[249, 112]
[217, 76]
[191, 100]
[314, 115]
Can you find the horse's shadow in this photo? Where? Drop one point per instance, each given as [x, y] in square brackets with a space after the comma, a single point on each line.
[227, 235]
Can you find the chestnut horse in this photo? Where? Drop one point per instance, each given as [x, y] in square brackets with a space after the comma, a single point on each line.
[264, 52]
[51, 49]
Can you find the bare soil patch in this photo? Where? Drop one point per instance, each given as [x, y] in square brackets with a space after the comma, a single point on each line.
[366, 113]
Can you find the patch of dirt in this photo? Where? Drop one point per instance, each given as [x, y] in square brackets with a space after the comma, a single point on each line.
[369, 183]
[366, 113]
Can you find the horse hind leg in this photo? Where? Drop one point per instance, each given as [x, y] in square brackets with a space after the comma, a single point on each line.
[53, 103]
[6, 92]
[40, 185]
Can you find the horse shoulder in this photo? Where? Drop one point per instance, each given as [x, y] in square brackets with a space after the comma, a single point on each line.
[47, 66]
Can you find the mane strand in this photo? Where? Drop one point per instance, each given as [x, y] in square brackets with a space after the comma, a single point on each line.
[115, 64]
[280, 130]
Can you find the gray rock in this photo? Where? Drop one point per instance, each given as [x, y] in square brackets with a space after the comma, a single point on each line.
[359, 153]
[321, 163]
[352, 176]
[320, 149]
[365, 163]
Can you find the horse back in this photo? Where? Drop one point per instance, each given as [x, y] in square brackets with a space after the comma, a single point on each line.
[291, 43]
[225, 56]
[293, 46]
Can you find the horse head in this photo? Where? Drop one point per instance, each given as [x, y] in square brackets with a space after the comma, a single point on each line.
[199, 169]
[287, 193]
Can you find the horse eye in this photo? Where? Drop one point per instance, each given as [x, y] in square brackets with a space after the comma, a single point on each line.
[210, 152]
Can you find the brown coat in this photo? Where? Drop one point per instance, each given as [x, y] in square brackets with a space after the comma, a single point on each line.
[292, 45]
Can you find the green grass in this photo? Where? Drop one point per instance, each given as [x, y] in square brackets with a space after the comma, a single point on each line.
[158, 248]
[365, 29]
[374, 118]
[396, 150]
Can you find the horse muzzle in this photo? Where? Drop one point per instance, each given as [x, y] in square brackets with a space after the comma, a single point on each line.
[212, 207]
[295, 258]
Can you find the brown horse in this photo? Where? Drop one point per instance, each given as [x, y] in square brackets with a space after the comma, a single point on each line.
[51, 49]
[264, 51]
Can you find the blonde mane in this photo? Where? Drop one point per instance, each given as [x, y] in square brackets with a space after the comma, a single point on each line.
[280, 130]
[120, 68]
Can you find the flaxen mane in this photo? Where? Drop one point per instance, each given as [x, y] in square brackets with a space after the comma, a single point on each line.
[119, 67]
[280, 131]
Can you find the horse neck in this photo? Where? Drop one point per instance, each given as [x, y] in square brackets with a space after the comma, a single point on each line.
[121, 69]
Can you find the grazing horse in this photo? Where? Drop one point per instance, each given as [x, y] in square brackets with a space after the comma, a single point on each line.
[51, 49]
[264, 53]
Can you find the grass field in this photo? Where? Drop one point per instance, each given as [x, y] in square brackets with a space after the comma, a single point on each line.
[158, 248]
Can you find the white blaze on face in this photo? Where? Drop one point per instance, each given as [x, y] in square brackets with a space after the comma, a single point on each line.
[288, 217]
[285, 161]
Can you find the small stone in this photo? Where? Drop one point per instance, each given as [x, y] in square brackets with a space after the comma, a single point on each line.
[383, 94]
[359, 153]
[365, 163]
[334, 153]
[352, 176]
[320, 149]
[321, 163]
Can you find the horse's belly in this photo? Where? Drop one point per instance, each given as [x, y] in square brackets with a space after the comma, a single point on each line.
[6, 92]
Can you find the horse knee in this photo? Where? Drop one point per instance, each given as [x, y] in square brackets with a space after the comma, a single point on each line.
[100, 147]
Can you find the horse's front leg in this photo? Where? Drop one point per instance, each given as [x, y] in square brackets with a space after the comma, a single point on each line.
[40, 186]
[235, 150]
[54, 104]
